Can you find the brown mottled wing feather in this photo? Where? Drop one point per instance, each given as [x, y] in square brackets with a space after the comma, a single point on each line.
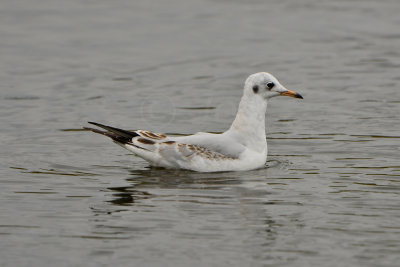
[186, 152]
[150, 135]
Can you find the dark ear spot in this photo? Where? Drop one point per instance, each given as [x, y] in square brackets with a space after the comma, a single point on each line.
[255, 89]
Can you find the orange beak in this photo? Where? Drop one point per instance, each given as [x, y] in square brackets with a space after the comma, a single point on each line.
[292, 94]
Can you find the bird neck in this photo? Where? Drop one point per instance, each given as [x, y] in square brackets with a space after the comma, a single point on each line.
[249, 124]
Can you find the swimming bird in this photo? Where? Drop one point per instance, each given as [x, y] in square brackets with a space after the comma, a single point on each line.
[242, 147]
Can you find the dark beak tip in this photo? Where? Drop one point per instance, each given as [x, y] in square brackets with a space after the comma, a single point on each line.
[299, 96]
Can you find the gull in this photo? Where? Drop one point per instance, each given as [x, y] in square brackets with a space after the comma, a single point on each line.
[242, 147]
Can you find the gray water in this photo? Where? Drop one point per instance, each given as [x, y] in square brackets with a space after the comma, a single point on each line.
[328, 197]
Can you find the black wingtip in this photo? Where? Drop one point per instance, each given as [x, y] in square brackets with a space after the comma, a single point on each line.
[95, 123]
[94, 130]
[118, 135]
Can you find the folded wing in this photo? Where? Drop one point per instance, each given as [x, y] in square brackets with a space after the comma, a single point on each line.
[162, 150]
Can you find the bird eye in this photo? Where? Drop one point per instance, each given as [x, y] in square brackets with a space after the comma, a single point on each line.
[270, 85]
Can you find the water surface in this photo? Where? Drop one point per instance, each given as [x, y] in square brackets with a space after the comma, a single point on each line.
[329, 195]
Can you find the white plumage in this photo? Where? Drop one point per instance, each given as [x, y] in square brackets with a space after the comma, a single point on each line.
[242, 147]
